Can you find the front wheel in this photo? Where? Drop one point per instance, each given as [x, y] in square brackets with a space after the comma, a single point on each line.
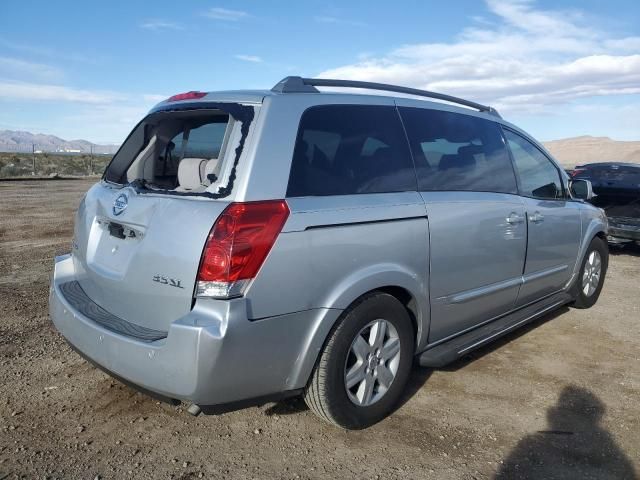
[365, 364]
[590, 280]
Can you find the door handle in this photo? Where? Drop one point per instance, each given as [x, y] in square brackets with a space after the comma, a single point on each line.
[514, 218]
[537, 217]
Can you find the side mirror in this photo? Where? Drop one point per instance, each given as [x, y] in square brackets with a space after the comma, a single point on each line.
[581, 189]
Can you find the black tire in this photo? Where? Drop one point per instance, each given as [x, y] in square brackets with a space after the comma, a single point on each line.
[326, 393]
[581, 299]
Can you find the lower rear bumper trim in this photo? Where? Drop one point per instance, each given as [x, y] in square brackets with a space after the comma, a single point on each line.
[78, 299]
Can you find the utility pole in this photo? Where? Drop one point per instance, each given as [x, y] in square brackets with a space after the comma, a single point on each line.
[33, 154]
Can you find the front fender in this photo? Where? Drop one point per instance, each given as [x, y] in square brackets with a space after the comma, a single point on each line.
[594, 222]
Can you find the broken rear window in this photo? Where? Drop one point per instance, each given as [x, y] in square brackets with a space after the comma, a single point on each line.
[183, 152]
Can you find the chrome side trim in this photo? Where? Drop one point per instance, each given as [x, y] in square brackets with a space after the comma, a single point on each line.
[530, 277]
[472, 294]
[468, 295]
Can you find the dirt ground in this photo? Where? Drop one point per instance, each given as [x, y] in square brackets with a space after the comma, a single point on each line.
[559, 399]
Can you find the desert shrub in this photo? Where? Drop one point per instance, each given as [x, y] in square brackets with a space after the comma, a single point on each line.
[21, 164]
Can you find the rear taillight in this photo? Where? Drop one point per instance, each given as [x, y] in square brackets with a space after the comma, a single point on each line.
[186, 96]
[576, 172]
[237, 245]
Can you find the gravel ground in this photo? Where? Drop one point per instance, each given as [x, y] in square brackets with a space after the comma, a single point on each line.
[559, 399]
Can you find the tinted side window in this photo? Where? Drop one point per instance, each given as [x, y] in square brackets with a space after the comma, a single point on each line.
[347, 149]
[453, 151]
[538, 176]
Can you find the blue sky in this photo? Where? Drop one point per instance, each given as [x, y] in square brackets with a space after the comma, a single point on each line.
[91, 70]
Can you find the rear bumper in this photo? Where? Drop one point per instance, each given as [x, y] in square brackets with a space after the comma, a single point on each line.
[212, 355]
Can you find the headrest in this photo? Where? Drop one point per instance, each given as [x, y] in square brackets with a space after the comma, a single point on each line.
[320, 159]
[191, 173]
[381, 154]
[471, 150]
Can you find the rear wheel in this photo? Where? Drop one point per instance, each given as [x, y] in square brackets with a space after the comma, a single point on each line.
[590, 280]
[365, 364]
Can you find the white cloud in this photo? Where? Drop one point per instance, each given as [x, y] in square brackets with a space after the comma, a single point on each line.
[27, 91]
[157, 25]
[631, 44]
[45, 52]
[17, 69]
[154, 98]
[103, 123]
[225, 14]
[521, 15]
[58, 93]
[331, 19]
[521, 59]
[586, 118]
[100, 116]
[249, 58]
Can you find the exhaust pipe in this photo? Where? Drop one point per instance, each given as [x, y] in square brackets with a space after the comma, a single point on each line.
[194, 410]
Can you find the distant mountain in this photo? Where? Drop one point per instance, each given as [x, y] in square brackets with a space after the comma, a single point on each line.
[579, 150]
[12, 141]
[568, 151]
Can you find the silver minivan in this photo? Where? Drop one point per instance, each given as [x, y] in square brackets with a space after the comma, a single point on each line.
[244, 246]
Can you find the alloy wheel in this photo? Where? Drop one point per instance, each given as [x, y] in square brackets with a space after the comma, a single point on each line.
[372, 362]
[591, 273]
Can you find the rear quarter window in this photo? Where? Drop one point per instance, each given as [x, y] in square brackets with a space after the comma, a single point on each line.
[350, 149]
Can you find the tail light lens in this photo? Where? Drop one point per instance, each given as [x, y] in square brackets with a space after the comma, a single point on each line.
[237, 245]
[576, 172]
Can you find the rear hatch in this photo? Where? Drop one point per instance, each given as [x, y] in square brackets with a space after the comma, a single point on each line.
[139, 234]
[141, 264]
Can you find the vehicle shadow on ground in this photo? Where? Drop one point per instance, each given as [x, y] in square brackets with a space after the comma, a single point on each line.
[575, 445]
[417, 379]
[289, 406]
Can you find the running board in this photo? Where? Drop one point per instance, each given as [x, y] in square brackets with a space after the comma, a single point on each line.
[449, 351]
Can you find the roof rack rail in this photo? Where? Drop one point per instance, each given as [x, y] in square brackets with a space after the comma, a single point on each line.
[307, 85]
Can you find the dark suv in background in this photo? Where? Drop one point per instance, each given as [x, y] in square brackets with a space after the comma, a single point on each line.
[617, 190]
